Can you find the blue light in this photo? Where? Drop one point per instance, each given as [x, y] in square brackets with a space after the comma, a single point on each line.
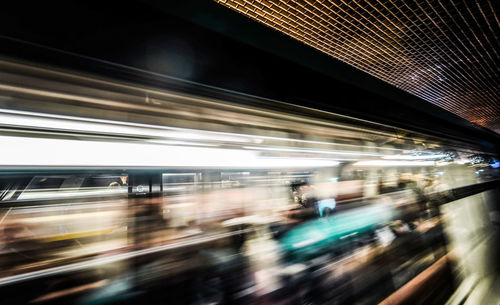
[495, 165]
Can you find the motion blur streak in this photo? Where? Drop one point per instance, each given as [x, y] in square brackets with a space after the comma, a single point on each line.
[115, 194]
[394, 163]
[19, 151]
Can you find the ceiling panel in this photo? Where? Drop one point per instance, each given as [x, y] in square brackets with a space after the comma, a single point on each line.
[445, 52]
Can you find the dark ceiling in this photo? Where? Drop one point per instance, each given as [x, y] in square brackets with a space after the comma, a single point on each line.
[445, 52]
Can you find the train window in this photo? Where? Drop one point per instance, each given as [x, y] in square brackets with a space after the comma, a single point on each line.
[45, 183]
[42, 187]
[352, 174]
[234, 179]
[107, 181]
[179, 183]
[51, 187]
[9, 186]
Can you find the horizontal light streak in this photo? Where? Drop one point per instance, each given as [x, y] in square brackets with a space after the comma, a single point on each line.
[383, 163]
[25, 151]
[314, 151]
[23, 119]
[414, 157]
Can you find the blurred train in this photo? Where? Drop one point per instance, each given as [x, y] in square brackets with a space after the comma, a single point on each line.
[112, 192]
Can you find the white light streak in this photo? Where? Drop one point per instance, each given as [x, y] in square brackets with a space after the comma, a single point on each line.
[12, 118]
[24, 151]
[383, 163]
[315, 151]
[414, 157]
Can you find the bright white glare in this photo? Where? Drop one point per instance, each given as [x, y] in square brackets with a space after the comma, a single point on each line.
[24, 151]
[393, 163]
[294, 162]
[55, 122]
[321, 143]
[414, 157]
[168, 142]
[16, 118]
[329, 152]
[64, 122]
[35, 194]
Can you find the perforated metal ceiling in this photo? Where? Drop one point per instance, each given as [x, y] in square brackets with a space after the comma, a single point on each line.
[445, 52]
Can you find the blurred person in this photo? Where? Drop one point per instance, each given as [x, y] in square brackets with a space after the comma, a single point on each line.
[320, 198]
[326, 207]
[124, 180]
[147, 220]
[21, 247]
[435, 192]
[307, 197]
[410, 205]
[405, 181]
[119, 183]
[114, 186]
[224, 273]
[388, 182]
[264, 256]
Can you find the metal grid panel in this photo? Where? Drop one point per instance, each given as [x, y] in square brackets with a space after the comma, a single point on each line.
[445, 52]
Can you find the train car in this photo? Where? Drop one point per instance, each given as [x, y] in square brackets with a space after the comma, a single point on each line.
[117, 187]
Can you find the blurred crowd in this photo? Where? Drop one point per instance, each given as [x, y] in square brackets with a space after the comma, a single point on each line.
[244, 238]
